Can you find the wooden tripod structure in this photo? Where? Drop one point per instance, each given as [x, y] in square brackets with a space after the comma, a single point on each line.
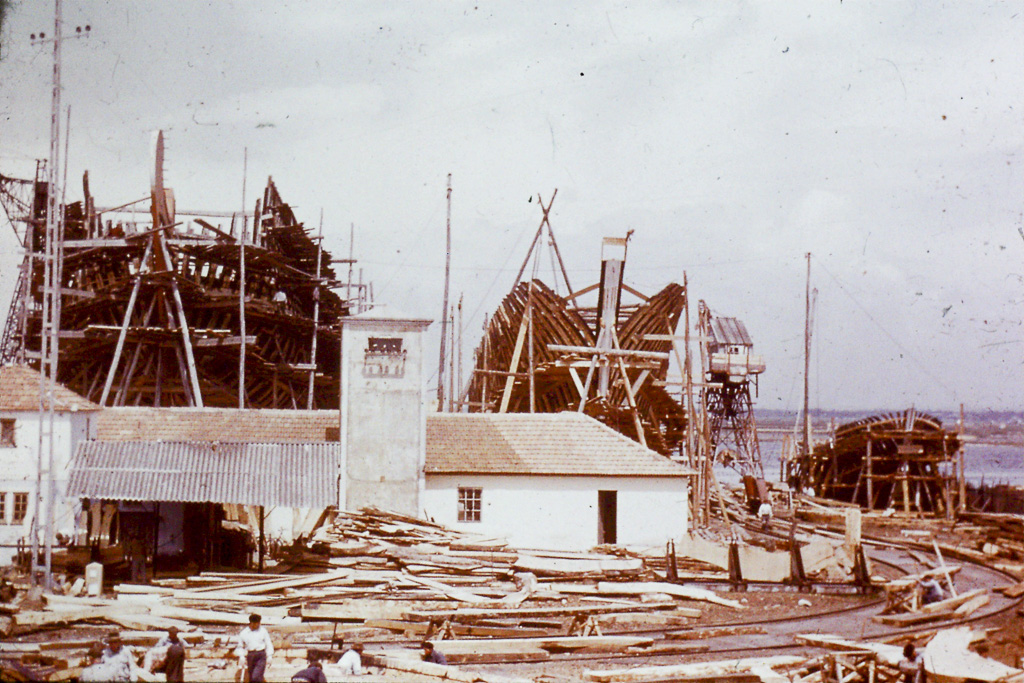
[544, 352]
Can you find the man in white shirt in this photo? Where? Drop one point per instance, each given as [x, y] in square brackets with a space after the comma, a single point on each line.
[255, 645]
[765, 513]
[118, 659]
[352, 661]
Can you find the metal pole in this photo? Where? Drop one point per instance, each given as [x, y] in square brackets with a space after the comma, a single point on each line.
[316, 311]
[46, 333]
[807, 360]
[54, 363]
[241, 285]
[458, 347]
[351, 257]
[451, 362]
[444, 301]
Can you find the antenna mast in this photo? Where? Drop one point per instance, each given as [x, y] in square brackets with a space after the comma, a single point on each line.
[807, 360]
[444, 303]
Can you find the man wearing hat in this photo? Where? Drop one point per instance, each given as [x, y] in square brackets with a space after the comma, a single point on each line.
[118, 660]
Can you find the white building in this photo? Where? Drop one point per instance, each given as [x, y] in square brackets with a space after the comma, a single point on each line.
[382, 411]
[560, 480]
[74, 421]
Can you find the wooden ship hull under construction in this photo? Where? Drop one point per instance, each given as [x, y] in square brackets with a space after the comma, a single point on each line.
[174, 310]
[542, 352]
[905, 461]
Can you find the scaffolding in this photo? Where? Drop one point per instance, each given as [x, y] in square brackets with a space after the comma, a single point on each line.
[544, 352]
[153, 301]
[905, 461]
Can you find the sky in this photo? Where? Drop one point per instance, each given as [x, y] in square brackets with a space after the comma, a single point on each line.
[732, 138]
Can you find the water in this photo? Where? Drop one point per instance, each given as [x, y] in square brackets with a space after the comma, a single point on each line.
[988, 463]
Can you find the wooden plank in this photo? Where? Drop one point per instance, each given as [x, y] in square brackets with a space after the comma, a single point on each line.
[911, 618]
[506, 394]
[1014, 591]
[616, 643]
[971, 606]
[948, 659]
[952, 603]
[353, 610]
[450, 591]
[704, 633]
[546, 566]
[408, 662]
[467, 614]
[420, 628]
[641, 587]
[704, 669]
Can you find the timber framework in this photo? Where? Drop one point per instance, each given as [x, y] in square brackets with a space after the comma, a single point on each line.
[905, 461]
[545, 352]
[164, 307]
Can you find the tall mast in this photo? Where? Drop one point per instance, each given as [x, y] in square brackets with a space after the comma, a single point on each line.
[316, 312]
[807, 360]
[444, 303]
[241, 286]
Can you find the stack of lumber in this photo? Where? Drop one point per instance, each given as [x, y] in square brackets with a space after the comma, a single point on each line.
[946, 658]
[389, 581]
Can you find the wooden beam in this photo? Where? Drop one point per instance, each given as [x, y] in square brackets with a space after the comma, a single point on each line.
[506, 395]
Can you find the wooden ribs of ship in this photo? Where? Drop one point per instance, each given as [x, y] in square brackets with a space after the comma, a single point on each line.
[905, 461]
[542, 352]
[152, 311]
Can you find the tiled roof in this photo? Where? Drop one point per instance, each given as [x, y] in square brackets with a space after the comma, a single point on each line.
[565, 443]
[226, 425]
[287, 475]
[19, 390]
[541, 443]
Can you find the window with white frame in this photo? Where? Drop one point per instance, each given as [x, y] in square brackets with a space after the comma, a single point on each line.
[469, 504]
[7, 432]
[20, 508]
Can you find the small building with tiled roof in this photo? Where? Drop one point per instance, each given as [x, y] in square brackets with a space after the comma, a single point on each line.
[518, 476]
[74, 420]
[561, 480]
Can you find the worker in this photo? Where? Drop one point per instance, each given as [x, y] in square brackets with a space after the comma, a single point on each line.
[912, 665]
[931, 591]
[431, 654]
[174, 659]
[135, 553]
[313, 673]
[95, 671]
[255, 645]
[764, 513]
[352, 661]
[117, 659]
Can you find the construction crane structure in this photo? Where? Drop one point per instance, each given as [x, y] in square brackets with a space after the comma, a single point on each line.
[730, 370]
[164, 307]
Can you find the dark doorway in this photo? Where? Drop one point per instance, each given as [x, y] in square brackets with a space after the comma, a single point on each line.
[607, 514]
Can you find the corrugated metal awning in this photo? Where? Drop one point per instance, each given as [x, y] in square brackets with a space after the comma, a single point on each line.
[283, 474]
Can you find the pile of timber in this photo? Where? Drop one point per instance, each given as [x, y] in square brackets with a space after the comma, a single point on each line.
[390, 581]
[946, 656]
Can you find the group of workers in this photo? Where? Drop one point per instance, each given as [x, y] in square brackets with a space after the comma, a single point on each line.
[253, 647]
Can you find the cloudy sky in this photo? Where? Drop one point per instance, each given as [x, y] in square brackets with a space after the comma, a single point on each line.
[732, 137]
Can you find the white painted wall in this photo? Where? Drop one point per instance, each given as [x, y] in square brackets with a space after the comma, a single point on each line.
[383, 419]
[561, 512]
[18, 467]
